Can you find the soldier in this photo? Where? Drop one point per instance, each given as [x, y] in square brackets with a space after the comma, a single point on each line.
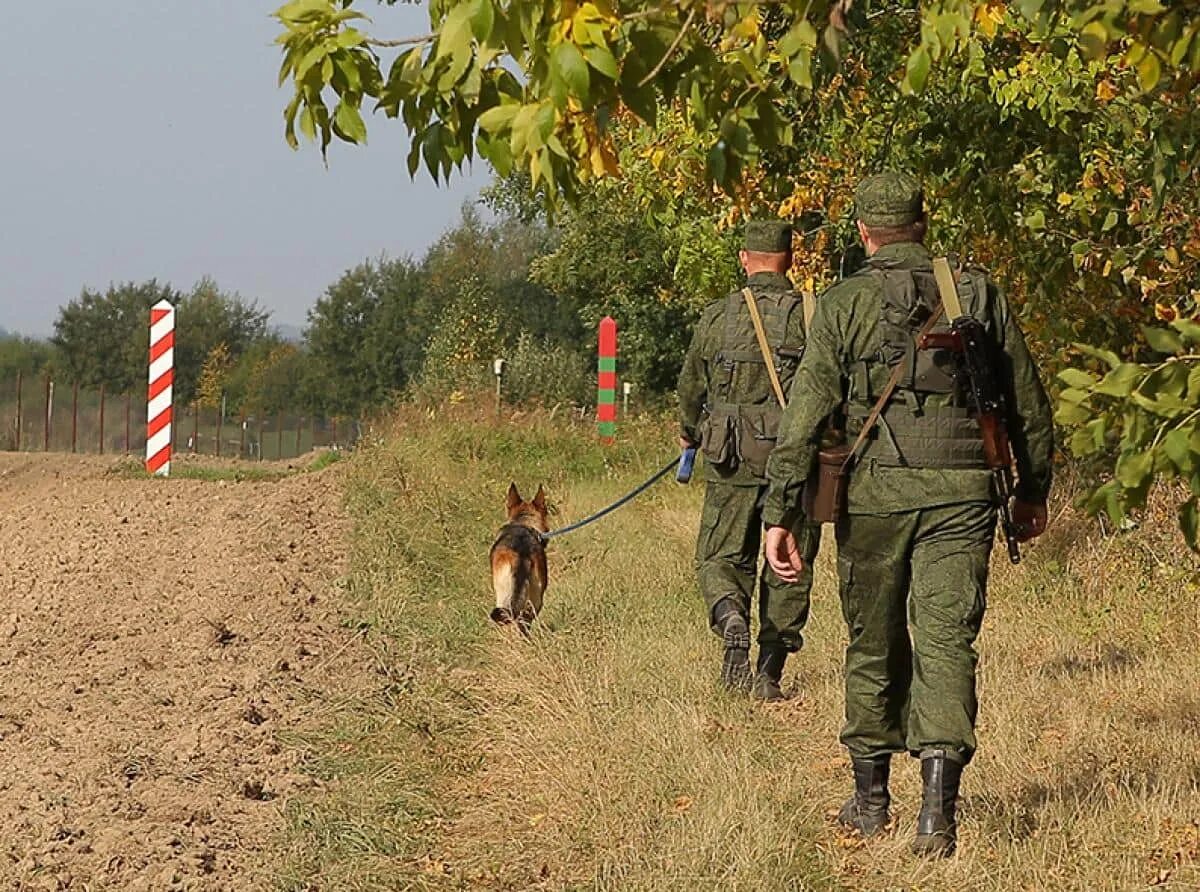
[917, 529]
[730, 406]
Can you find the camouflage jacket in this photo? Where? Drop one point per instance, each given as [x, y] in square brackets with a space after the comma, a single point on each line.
[750, 384]
[845, 330]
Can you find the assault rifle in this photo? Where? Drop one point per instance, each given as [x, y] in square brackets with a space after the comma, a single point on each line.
[972, 347]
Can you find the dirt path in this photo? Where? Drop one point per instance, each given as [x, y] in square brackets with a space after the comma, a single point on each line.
[155, 639]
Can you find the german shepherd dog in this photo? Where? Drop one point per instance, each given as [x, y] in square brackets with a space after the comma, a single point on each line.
[519, 560]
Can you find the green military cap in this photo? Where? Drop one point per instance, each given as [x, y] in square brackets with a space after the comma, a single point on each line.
[889, 199]
[768, 236]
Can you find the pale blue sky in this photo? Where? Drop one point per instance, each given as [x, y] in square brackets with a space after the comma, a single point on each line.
[144, 140]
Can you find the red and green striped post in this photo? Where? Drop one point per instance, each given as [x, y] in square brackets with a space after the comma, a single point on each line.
[606, 397]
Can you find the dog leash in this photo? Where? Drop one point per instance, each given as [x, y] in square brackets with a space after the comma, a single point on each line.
[628, 497]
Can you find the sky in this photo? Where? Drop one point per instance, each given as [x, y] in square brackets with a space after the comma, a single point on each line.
[145, 140]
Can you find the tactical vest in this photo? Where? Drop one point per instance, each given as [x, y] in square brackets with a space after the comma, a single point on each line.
[741, 427]
[927, 423]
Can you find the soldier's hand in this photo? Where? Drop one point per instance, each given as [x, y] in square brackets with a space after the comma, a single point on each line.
[685, 443]
[1030, 519]
[783, 554]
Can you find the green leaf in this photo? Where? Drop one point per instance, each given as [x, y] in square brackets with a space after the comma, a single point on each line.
[1070, 414]
[801, 36]
[1036, 221]
[350, 123]
[1178, 448]
[483, 18]
[1109, 221]
[1106, 356]
[1121, 380]
[917, 71]
[800, 71]
[1074, 395]
[1188, 330]
[1149, 71]
[1077, 378]
[454, 38]
[570, 65]
[1163, 340]
[1133, 469]
[600, 58]
[499, 118]
[350, 38]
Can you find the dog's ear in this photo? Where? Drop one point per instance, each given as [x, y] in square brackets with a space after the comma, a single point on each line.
[513, 499]
[539, 501]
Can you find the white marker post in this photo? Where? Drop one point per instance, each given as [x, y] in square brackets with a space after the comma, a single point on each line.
[162, 380]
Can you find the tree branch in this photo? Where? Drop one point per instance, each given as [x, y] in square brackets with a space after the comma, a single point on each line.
[404, 41]
[691, 17]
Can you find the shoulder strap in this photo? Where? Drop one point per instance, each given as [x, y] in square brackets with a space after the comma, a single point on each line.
[810, 304]
[947, 288]
[760, 333]
[888, 390]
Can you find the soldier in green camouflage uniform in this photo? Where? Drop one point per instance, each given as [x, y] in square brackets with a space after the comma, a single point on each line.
[917, 530]
[728, 406]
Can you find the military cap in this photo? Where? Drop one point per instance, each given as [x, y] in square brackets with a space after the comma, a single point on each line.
[768, 236]
[890, 198]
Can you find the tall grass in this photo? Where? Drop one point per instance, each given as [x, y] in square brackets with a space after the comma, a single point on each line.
[600, 754]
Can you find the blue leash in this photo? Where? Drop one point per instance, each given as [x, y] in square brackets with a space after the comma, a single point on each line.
[687, 458]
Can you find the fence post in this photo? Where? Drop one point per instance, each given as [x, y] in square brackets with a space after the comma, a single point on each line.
[19, 376]
[279, 435]
[128, 413]
[220, 419]
[333, 431]
[260, 436]
[101, 417]
[49, 409]
[74, 415]
[242, 443]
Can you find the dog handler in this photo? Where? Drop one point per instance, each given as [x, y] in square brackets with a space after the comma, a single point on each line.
[730, 406]
[917, 528]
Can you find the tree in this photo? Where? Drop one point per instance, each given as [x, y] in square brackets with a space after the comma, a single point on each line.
[105, 338]
[214, 377]
[533, 86]
[205, 319]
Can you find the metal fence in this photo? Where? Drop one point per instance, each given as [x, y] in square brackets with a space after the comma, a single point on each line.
[40, 414]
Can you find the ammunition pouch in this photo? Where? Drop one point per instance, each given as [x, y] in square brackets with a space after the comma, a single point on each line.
[734, 436]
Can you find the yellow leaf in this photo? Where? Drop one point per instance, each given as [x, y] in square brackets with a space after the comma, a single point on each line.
[1107, 268]
[989, 16]
[1172, 256]
[1106, 90]
[1064, 199]
[536, 819]
[682, 804]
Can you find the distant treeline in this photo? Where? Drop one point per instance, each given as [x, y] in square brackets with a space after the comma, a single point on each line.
[512, 285]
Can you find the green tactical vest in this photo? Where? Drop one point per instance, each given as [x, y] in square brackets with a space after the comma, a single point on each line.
[742, 424]
[927, 423]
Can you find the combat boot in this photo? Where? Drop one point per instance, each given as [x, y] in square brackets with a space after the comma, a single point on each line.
[734, 629]
[867, 810]
[937, 826]
[769, 672]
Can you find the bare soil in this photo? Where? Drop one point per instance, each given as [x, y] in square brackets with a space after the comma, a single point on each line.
[156, 640]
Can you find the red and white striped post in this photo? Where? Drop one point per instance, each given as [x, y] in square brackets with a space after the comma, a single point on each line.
[162, 377]
[606, 397]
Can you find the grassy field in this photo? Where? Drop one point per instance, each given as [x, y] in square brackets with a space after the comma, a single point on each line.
[601, 755]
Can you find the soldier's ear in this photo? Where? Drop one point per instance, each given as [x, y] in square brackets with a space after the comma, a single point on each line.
[513, 499]
[539, 500]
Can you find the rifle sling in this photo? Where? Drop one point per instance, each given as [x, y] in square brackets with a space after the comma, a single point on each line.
[761, 334]
[888, 390]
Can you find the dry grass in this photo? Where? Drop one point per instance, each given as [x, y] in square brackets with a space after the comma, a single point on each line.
[600, 755]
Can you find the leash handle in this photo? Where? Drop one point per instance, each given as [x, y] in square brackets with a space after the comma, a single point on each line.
[687, 461]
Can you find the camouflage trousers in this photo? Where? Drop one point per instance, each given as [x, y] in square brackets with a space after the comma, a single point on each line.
[727, 559]
[913, 589]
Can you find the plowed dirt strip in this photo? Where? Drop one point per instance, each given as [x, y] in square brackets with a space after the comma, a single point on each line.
[155, 638]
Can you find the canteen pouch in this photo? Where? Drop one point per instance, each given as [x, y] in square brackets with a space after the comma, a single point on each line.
[824, 496]
[717, 439]
[757, 431]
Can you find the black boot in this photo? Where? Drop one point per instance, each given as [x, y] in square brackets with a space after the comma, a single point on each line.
[937, 827]
[867, 810]
[734, 630]
[769, 672]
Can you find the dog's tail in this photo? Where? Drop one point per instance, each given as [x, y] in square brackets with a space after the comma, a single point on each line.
[510, 576]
